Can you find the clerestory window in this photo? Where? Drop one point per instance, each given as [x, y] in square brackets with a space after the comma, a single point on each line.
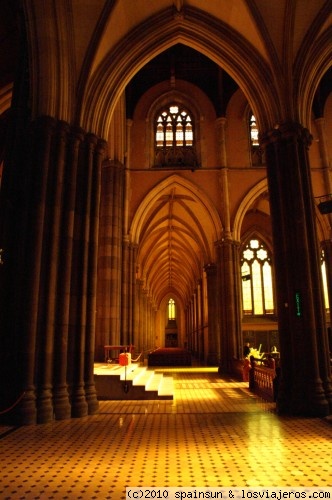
[257, 153]
[257, 281]
[174, 138]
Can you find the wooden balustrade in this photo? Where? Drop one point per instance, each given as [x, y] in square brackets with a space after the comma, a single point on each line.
[261, 382]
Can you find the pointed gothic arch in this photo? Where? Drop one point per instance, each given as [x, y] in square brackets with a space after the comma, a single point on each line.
[260, 188]
[211, 37]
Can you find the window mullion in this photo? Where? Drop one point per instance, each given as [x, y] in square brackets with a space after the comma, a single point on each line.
[263, 287]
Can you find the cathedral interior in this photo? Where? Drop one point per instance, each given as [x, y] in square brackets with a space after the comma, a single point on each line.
[165, 184]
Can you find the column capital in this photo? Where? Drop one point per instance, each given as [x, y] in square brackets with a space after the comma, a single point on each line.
[221, 121]
[114, 164]
[227, 241]
[210, 269]
[286, 131]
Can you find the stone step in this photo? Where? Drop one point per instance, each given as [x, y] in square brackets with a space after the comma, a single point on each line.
[166, 388]
[143, 377]
[135, 382]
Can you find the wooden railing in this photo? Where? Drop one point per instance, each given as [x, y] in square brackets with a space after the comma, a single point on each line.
[261, 382]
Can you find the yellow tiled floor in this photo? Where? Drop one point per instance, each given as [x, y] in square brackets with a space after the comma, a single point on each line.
[214, 433]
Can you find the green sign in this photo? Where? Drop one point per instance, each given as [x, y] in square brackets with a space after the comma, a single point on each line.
[298, 305]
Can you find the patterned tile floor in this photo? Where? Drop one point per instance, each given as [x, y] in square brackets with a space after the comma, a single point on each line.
[214, 433]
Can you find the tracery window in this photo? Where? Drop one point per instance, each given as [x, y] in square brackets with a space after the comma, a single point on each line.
[174, 138]
[257, 153]
[253, 131]
[324, 277]
[257, 281]
[171, 309]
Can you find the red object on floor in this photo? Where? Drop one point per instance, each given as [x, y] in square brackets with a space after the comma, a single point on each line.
[125, 359]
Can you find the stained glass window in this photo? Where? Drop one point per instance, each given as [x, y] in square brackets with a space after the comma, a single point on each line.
[257, 281]
[324, 277]
[174, 137]
[257, 153]
[171, 309]
[174, 127]
[253, 131]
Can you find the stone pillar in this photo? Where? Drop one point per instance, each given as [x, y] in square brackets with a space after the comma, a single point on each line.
[45, 400]
[144, 316]
[42, 135]
[195, 332]
[62, 406]
[305, 386]
[192, 326]
[152, 334]
[80, 275]
[97, 151]
[15, 223]
[128, 291]
[125, 291]
[188, 329]
[213, 352]
[139, 339]
[200, 321]
[132, 295]
[110, 257]
[230, 316]
[55, 341]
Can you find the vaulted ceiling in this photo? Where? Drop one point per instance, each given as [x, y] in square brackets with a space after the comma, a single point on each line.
[176, 236]
[177, 226]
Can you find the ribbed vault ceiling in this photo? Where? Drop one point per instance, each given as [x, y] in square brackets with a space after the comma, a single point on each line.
[175, 243]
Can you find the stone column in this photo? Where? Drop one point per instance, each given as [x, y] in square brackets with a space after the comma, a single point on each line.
[62, 406]
[151, 326]
[139, 333]
[192, 325]
[213, 354]
[125, 292]
[230, 315]
[195, 333]
[40, 164]
[110, 257]
[188, 329]
[200, 321]
[144, 316]
[97, 151]
[305, 387]
[132, 293]
[79, 284]
[52, 262]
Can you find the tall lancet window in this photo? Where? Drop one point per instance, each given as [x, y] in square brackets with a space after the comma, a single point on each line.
[171, 309]
[253, 131]
[257, 153]
[324, 277]
[257, 279]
